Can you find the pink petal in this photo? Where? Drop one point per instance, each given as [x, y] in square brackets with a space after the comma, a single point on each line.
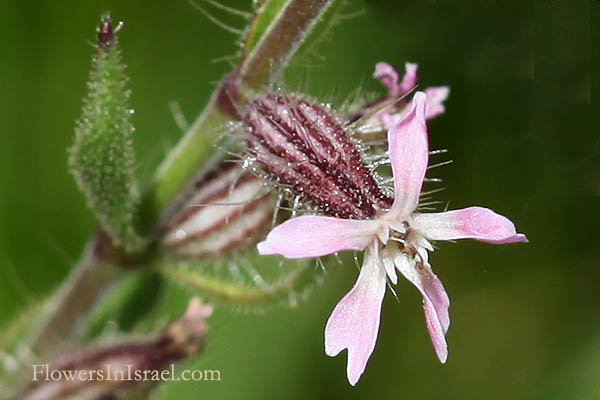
[469, 223]
[435, 302]
[435, 101]
[354, 322]
[388, 76]
[409, 152]
[409, 80]
[315, 236]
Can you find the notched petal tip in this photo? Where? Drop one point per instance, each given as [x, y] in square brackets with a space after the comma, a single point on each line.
[354, 322]
[436, 96]
[388, 77]
[409, 80]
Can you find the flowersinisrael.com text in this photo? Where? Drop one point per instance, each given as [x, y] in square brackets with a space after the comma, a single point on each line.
[122, 372]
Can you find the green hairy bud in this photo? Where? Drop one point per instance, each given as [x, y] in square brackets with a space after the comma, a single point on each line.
[102, 159]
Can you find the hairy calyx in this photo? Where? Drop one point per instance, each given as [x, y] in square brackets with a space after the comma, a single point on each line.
[306, 150]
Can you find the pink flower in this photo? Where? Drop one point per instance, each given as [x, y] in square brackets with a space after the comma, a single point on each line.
[388, 76]
[397, 239]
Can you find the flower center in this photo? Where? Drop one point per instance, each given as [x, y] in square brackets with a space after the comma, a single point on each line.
[412, 244]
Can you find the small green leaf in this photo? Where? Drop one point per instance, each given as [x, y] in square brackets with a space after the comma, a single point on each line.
[102, 158]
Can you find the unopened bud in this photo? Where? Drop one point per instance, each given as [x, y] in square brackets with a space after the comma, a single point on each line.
[227, 212]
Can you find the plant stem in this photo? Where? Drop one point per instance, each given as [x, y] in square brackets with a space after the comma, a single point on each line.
[274, 51]
[70, 305]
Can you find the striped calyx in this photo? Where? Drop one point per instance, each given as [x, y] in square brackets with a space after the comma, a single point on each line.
[229, 207]
[304, 148]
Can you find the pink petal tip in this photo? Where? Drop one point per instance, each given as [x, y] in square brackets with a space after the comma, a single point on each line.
[388, 76]
[435, 101]
[477, 223]
[354, 323]
[409, 80]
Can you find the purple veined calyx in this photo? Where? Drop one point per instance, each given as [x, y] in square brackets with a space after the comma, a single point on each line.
[319, 157]
[228, 211]
[302, 147]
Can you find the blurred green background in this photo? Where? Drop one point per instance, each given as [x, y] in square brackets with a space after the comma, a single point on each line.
[521, 127]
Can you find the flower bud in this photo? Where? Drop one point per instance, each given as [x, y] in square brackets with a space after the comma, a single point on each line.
[227, 211]
[102, 158]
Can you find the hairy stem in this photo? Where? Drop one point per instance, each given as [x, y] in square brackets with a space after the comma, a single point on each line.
[67, 311]
[293, 24]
